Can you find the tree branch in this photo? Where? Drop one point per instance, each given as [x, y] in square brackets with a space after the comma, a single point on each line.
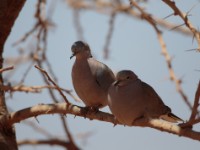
[184, 17]
[194, 113]
[165, 53]
[49, 142]
[6, 69]
[64, 108]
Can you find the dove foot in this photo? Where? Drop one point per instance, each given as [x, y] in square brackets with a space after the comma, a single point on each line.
[90, 109]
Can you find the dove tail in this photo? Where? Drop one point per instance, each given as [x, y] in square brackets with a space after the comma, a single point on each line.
[171, 118]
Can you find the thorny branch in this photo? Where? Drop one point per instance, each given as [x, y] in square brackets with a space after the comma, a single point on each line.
[108, 7]
[64, 108]
[184, 17]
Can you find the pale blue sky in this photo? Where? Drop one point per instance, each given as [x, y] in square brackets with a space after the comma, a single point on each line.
[134, 46]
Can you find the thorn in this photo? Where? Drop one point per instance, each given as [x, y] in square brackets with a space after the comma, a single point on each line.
[37, 119]
[194, 49]
[176, 27]
[114, 124]
[168, 16]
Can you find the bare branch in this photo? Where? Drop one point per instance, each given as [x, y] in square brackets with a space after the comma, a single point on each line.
[184, 17]
[64, 108]
[65, 127]
[165, 53]
[35, 89]
[6, 69]
[196, 103]
[109, 35]
[57, 142]
[194, 113]
[57, 87]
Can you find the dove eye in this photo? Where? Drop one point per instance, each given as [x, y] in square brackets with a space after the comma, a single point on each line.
[127, 77]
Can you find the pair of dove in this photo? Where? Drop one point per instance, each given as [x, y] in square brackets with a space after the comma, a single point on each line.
[127, 96]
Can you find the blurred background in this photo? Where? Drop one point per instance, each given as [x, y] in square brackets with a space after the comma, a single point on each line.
[117, 38]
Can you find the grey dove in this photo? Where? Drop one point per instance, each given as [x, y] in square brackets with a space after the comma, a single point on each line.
[130, 99]
[91, 78]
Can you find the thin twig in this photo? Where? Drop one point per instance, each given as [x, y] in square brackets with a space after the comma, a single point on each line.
[194, 113]
[77, 24]
[109, 35]
[6, 69]
[57, 87]
[68, 134]
[57, 142]
[196, 104]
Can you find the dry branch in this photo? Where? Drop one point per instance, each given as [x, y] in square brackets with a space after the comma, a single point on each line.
[104, 6]
[64, 108]
[49, 142]
[193, 120]
[109, 35]
[184, 17]
[6, 69]
[34, 89]
[57, 87]
[165, 53]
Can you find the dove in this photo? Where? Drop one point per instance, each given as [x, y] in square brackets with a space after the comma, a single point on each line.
[130, 99]
[91, 79]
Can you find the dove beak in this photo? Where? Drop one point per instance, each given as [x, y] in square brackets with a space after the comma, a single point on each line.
[72, 55]
[116, 82]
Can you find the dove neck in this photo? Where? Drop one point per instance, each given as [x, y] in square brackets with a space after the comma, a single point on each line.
[83, 55]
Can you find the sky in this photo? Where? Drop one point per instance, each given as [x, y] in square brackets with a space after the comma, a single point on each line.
[133, 46]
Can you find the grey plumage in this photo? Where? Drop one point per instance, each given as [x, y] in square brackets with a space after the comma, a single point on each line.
[129, 99]
[91, 78]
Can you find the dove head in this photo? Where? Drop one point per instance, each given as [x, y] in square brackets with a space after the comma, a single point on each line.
[124, 77]
[80, 49]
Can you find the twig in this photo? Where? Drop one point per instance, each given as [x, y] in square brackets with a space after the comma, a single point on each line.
[57, 142]
[77, 24]
[26, 73]
[64, 108]
[6, 69]
[109, 35]
[194, 113]
[35, 89]
[57, 87]
[68, 134]
[38, 129]
[196, 103]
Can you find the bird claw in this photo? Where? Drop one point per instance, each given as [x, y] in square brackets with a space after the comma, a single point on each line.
[89, 109]
[115, 122]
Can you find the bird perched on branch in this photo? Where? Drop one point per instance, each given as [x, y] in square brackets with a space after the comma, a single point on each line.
[130, 99]
[91, 78]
